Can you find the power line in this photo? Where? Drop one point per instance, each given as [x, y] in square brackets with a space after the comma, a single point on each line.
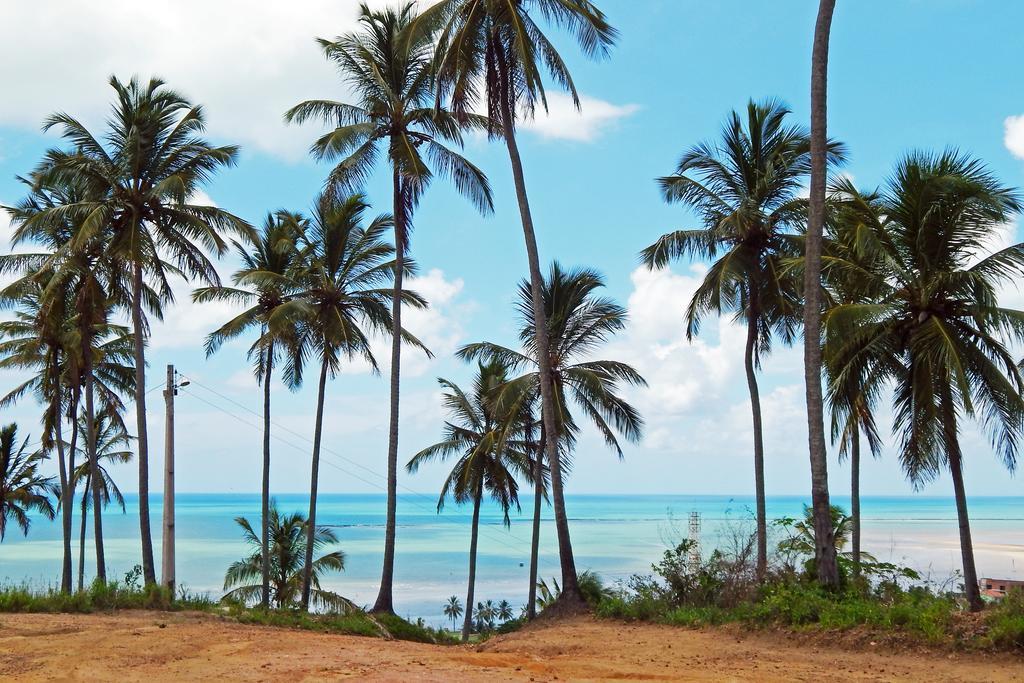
[305, 438]
[327, 461]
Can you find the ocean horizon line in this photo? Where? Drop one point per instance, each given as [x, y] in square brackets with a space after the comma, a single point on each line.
[414, 494]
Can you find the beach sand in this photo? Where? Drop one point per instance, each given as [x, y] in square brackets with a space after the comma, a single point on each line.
[153, 647]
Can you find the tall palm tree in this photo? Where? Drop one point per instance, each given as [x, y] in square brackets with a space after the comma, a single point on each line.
[289, 536]
[825, 555]
[496, 51]
[847, 259]
[744, 189]
[22, 488]
[936, 331]
[262, 284]
[453, 609]
[479, 436]
[96, 357]
[141, 176]
[36, 340]
[111, 448]
[387, 67]
[579, 321]
[343, 274]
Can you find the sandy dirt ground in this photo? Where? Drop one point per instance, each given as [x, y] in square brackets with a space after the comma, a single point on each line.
[152, 647]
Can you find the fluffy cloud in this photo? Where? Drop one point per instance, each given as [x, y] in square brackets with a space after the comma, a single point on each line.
[563, 121]
[1013, 135]
[439, 326]
[684, 377]
[246, 62]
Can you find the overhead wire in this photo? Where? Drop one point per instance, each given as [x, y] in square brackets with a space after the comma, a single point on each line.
[327, 461]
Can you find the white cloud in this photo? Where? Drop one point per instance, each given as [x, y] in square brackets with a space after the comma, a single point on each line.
[247, 63]
[1013, 135]
[684, 377]
[438, 326]
[563, 121]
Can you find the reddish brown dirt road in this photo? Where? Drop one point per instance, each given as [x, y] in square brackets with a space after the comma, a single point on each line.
[152, 647]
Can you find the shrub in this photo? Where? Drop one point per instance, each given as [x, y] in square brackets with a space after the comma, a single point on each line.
[1005, 621]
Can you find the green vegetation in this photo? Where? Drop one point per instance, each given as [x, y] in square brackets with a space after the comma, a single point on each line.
[128, 593]
[903, 282]
[23, 488]
[288, 539]
[886, 601]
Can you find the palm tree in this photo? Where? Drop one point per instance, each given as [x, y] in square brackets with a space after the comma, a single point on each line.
[342, 275]
[504, 610]
[578, 322]
[801, 542]
[485, 614]
[262, 285]
[846, 262]
[22, 488]
[497, 52]
[825, 555]
[745, 191]
[453, 609]
[936, 331]
[141, 177]
[480, 436]
[289, 536]
[387, 67]
[61, 335]
[111, 447]
[36, 340]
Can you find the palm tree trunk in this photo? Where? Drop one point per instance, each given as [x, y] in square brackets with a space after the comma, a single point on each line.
[148, 567]
[384, 602]
[307, 567]
[67, 489]
[855, 497]
[956, 470]
[755, 408]
[467, 625]
[265, 497]
[81, 538]
[571, 595]
[72, 448]
[538, 492]
[824, 545]
[94, 466]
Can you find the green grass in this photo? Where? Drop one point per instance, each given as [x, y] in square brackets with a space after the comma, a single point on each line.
[356, 624]
[915, 615]
[100, 597]
[415, 631]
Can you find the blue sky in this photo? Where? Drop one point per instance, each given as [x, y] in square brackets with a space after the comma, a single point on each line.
[904, 74]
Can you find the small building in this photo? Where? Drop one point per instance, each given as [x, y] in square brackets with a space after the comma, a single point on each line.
[997, 588]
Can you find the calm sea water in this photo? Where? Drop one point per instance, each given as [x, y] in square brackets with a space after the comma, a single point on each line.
[613, 535]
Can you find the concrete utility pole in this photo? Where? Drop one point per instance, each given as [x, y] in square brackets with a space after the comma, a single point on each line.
[170, 391]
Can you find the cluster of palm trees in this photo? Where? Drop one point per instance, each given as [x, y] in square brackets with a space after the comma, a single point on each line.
[909, 294]
[891, 289]
[117, 216]
[495, 435]
[111, 219]
[486, 616]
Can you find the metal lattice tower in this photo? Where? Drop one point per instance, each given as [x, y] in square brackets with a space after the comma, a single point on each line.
[694, 555]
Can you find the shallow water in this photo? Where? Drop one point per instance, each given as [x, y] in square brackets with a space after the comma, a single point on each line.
[613, 535]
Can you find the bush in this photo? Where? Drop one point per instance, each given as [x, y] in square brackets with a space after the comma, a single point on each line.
[1005, 621]
[417, 631]
[100, 596]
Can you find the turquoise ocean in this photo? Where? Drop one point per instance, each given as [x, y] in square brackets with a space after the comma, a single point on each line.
[614, 535]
